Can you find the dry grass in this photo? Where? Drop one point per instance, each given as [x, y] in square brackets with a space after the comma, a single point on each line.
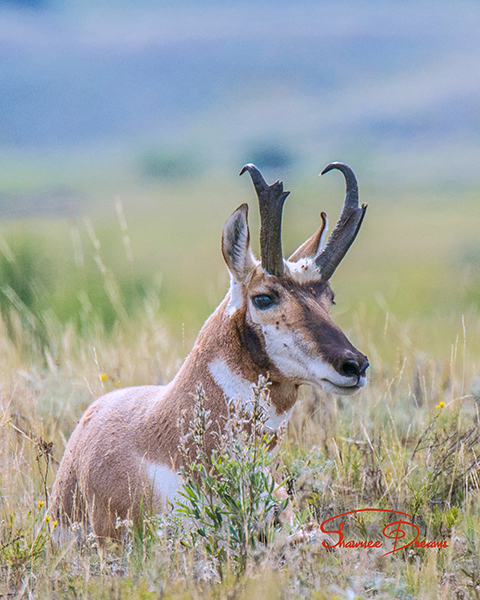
[410, 441]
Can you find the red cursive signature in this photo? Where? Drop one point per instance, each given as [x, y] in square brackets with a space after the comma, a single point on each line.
[394, 531]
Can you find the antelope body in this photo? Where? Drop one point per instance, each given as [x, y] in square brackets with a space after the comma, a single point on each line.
[274, 321]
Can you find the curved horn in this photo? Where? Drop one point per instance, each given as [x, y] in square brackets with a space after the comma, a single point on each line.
[270, 200]
[347, 227]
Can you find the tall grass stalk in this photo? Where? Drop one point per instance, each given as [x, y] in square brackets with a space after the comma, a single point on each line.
[409, 441]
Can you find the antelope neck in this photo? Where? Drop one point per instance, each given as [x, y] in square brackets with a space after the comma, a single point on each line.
[220, 363]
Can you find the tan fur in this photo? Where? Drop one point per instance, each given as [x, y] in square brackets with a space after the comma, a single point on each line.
[104, 473]
[103, 458]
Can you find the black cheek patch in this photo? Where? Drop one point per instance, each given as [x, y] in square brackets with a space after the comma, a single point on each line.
[253, 345]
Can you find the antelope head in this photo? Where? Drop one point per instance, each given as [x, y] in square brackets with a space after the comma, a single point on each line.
[283, 306]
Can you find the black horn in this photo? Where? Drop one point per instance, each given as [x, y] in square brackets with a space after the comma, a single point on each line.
[347, 227]
[270, 200]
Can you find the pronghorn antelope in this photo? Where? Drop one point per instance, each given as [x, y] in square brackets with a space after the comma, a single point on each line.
[275, 321]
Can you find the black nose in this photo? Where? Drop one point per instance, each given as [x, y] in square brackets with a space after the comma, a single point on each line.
[354, 367]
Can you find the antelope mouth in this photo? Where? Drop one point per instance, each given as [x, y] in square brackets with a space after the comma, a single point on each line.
[344, 390]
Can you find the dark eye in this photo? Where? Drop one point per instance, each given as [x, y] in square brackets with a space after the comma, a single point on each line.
[263, 301]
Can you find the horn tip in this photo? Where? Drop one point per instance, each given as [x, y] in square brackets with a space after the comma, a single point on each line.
[247, 167]
[334, 165]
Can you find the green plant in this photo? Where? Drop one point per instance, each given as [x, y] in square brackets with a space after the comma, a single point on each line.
[22, 544]
[229, 497]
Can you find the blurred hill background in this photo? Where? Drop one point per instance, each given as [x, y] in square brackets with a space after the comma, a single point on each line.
[170, 88]
[161, 103]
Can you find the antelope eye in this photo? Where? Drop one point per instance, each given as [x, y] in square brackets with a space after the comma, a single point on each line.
[263, 301]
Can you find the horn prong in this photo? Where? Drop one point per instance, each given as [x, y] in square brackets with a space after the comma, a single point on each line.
[270, 200]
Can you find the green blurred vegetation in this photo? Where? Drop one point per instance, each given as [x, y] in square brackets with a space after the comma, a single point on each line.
[115, 296]
[169, 164]
[49, 274]
[417, 257]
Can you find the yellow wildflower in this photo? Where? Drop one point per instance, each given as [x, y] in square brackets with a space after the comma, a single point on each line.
[442, 404]
[103, 377]
[47, 518]
[40, 504]
[54, 524]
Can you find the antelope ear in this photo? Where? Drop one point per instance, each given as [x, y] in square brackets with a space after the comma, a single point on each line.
[311, 247]
[236, 244]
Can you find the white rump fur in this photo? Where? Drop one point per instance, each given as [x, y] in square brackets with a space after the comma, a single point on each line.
[165, 482]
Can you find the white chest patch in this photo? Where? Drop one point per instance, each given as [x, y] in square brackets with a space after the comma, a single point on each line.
[236, 388]
[163, 480]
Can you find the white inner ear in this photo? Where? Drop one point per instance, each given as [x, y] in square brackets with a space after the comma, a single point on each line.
[322, 240]
[236, 246]
[238, 256]
[245, 263]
